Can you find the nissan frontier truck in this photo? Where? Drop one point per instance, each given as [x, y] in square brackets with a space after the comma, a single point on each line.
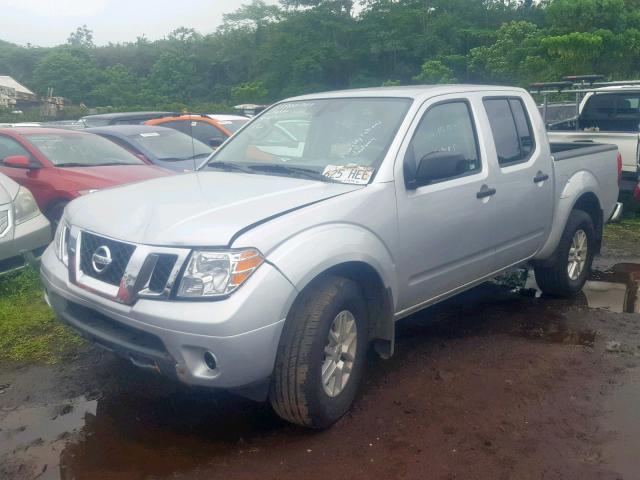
[275, 267]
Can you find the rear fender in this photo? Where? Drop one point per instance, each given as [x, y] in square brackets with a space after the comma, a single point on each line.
[580, 184]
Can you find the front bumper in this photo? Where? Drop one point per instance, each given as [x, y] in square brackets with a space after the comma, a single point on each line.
[241, 332]
[24, 243]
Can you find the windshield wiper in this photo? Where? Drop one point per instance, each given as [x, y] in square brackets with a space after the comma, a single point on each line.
[289, 170]
[228, 166]
[74, 164]
[108, 164]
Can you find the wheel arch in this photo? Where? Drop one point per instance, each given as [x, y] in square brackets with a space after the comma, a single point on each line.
[378, 300]
[588, 202]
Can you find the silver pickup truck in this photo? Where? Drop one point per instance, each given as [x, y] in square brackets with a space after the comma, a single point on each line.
[273, 269]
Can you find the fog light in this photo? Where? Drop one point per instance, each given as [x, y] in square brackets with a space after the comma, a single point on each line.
[210, 360]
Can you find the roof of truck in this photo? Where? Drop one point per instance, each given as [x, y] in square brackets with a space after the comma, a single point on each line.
[409, 91]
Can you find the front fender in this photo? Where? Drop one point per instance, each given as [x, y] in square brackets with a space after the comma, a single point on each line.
[576, 186]
[313, 251]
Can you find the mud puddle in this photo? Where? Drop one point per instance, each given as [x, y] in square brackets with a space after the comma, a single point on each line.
[138, 426]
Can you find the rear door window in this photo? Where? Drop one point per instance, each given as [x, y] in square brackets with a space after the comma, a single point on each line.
[511, 130]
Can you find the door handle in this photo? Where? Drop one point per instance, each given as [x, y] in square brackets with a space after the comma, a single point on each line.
[485, 191]
[540, 177]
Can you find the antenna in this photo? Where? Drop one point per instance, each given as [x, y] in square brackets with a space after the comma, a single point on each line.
[193, 146]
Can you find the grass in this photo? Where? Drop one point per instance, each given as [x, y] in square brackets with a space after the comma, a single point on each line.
[628, 230]
[29, 332]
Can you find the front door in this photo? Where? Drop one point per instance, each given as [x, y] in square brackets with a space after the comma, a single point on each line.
[446, 226]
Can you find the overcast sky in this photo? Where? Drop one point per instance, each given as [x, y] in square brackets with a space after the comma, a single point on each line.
[49, 22]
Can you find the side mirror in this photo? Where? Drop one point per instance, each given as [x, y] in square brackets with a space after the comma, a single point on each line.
[215, 142]
[17, 161]
[436, 166]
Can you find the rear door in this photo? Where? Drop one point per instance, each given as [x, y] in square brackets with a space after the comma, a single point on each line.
[524, 179]
[446, 228]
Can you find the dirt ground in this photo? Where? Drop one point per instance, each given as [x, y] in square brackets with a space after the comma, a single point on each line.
[497, 383]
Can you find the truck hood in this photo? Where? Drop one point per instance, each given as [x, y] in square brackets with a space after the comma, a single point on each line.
[195, 209]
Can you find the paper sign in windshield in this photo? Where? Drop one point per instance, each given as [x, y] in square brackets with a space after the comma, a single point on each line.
[355, 174]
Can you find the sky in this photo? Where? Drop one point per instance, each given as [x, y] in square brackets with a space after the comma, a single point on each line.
[49, 22]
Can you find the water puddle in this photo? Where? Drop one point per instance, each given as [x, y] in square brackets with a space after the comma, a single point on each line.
[33, 439]
[131, 433]
[615, 289]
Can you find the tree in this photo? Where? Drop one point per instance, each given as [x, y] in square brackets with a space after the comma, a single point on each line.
[71, 73]
[252, 92]
[82, 37]
[434, 71]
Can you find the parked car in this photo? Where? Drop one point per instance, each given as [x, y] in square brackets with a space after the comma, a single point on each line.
[164, 147]
[607, 115]
[59, 165]
[121, 118]
[233, 123]
[271, 275]
[24, 231]
[207, 130]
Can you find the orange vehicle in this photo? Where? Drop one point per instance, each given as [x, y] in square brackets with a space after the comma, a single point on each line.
[201, 127]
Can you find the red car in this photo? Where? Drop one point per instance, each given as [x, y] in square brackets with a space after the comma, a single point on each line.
[60, 165]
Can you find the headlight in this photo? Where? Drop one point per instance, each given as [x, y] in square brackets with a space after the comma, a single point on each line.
[60, 242]
[24, 206]
[216, 273]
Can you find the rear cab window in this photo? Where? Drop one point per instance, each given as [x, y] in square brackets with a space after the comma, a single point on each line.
[511, 129]
[611, 112]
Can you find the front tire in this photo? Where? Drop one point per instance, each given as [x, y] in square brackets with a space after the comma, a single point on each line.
[322, 353]
[568, 273]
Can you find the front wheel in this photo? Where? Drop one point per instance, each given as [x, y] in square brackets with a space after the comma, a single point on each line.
[573, 258]
[322, 354]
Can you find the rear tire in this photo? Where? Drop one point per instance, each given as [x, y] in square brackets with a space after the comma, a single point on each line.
[572, 260]
[309, 386]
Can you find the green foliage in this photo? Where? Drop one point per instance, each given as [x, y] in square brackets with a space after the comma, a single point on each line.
[253, 92]
[264, 52]
[29, 332]
[70, 71]
[434, 71]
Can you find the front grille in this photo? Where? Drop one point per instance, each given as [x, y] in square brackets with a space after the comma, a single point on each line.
[120, 255]
[4, 221]
[161, 272]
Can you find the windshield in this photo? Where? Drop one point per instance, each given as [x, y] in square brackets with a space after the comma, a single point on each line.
[171, 145]
[81, 150]
[339, 139]
[233, 125]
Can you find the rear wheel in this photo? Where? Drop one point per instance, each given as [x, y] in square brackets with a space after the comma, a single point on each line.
[322, 354]
[573, 258]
